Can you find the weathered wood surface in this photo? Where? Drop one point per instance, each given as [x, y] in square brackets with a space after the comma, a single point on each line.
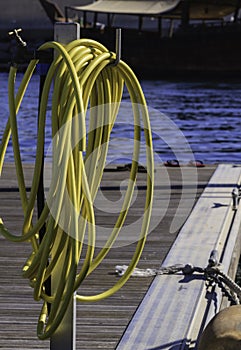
[99, 325]
[176, 307]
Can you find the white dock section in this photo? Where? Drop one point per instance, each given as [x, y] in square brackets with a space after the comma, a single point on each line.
[177, 306]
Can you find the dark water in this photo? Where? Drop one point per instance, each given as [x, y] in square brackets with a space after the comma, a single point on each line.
[208, 114]
[205, 115]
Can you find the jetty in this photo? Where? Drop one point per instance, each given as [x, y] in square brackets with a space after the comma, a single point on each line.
[160, 312]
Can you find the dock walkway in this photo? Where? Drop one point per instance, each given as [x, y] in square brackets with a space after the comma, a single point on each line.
[177, 307]
[100, 325]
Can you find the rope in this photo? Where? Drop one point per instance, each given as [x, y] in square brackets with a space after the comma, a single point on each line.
[120, 270]
[82, 77]
[212, 273]
[224, 280]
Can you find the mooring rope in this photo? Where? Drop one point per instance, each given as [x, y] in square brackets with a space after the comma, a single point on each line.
[212, 273]
[83, 77]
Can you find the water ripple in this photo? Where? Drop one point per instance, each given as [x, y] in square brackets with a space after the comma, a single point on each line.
[207, 113]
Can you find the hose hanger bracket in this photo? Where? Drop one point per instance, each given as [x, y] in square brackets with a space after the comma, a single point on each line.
[118, 40]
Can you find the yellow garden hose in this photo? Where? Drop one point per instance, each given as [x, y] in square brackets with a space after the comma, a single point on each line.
[84, 79]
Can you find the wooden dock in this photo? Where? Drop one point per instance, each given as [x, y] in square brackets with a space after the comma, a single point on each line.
[100, 325]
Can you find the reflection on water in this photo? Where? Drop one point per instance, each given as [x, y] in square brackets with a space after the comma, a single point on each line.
[207, 113]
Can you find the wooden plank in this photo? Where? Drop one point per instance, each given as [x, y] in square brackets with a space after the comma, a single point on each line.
[101, 324]
[165, 317]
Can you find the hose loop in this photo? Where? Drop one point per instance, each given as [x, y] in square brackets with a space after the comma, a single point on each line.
[82, 77]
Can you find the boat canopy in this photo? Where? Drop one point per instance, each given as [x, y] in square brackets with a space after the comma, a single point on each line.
[205, 9]
[138, 7]
[197, 9]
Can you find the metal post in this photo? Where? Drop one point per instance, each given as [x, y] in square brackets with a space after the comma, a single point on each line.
[65, 32]
[64, 337]
[185, 13]
[235, 198]
[117, 47]
[42, 69]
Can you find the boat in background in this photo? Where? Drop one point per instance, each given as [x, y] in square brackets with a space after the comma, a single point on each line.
[170, 37]
[160, 39]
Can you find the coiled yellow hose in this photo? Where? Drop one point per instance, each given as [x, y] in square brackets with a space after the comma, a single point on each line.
[84, 78]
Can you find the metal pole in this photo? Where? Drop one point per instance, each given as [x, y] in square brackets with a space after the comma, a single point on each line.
[42, 69]
[64, 337]
[118, 45]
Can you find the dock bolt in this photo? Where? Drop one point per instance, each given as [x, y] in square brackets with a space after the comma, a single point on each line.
[213, 259]
[235, 196]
